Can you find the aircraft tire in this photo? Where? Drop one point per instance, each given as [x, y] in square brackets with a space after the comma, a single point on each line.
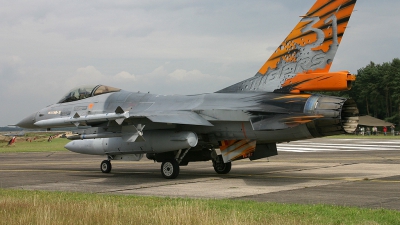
[221, 167]
[105, 166]
[170, 169]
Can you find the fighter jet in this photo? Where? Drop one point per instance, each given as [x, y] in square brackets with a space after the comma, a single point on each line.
[244, 120]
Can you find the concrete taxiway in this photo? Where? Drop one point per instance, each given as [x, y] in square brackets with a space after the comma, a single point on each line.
[350, 172]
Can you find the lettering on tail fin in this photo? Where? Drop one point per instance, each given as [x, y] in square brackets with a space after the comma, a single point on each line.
[306, 55]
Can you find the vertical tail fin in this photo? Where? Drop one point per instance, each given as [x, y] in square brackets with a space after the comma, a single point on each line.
[303, 60]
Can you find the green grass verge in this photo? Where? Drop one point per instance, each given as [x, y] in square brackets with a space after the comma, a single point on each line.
[40, 207]
[42, 145]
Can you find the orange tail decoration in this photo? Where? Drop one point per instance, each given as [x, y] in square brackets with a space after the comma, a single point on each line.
[302, 61]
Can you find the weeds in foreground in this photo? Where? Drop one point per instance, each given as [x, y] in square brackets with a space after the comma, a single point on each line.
[39, 207]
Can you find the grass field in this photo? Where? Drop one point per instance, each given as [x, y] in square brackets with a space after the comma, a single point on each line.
[39, 207]
[39, 145]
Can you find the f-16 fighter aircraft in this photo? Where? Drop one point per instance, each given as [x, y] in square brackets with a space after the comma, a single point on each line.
[244, 120]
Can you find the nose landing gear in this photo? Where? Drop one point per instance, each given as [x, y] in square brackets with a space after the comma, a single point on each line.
[105, 166]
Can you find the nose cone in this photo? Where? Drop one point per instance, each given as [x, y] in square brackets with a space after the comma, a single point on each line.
[28, 122]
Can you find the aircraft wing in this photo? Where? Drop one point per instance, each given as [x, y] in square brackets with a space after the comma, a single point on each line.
[175, 117]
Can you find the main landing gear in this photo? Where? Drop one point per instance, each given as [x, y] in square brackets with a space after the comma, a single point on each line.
[220, 167]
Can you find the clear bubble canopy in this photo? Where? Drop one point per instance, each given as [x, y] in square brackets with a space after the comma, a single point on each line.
[87, 91]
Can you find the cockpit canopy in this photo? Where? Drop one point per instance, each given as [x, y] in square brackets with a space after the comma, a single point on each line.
[86, 92]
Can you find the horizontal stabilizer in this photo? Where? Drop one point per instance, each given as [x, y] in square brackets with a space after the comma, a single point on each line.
[281, 121]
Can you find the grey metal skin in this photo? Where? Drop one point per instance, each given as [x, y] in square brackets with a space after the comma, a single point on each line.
[213, 117]
[119, 122]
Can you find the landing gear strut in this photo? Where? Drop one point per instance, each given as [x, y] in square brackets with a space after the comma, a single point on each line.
[170, 167]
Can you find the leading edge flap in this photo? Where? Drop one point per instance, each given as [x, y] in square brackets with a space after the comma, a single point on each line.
[176, 117]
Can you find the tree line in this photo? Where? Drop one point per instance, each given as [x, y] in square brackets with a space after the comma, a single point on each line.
[377, 91]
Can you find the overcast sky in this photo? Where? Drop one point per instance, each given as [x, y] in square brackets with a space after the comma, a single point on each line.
[167, 47]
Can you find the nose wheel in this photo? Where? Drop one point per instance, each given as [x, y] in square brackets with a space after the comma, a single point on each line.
[105, 166]
[170, 169]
